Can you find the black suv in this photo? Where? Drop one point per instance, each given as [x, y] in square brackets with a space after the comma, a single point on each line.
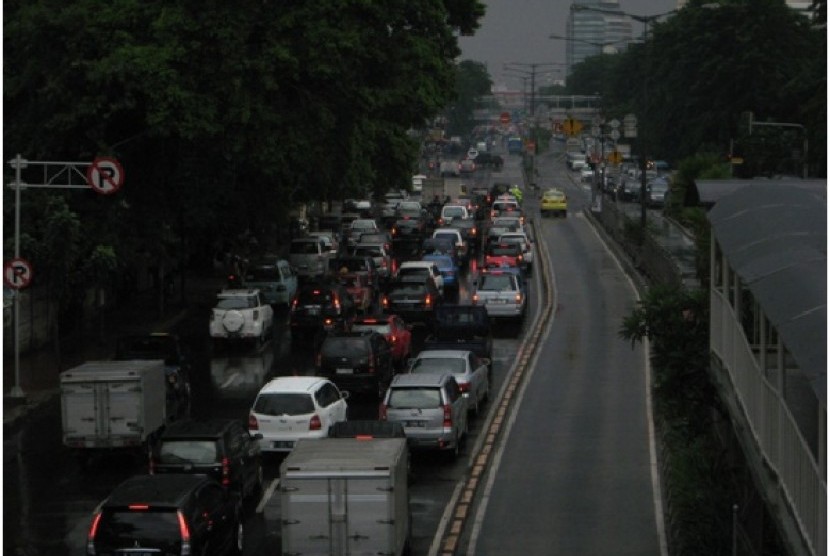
[357, 362]
[221, 448]
[320, 307]
[167, 514]
[413, 298]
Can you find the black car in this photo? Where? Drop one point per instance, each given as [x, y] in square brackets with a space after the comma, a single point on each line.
[413, 300]
[167, 514]
[357, 362]
[221, 448]
[320, 307]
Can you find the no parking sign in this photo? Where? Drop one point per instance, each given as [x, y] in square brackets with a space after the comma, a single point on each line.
[105, 175]
[17, 273]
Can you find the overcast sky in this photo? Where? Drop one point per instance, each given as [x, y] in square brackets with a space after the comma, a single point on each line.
[518, 30]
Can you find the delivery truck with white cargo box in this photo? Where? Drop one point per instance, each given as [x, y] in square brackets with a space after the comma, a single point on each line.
[345, 496]
[108, 405]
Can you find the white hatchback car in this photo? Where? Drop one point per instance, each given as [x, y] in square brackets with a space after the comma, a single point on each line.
[241, 314]
[470, 372]
[409, 268]
[289, 408]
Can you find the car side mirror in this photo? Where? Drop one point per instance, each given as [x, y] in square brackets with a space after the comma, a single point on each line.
[485, 361]
[345, 394]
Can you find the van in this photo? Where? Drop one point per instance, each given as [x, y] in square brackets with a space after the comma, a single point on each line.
[274, 278]
[309, 256]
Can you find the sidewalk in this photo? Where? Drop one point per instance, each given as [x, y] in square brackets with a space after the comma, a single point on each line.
[40, 369]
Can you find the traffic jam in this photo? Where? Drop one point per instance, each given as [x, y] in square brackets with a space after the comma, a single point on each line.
[379, 341]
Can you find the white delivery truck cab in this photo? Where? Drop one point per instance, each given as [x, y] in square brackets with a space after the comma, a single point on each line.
[345, 496]
[112, 404]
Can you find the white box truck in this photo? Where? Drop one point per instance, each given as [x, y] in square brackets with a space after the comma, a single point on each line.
[109, 405]
[345, 496]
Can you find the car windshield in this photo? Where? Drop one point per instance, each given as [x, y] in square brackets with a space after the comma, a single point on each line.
[496, 282]
[262, 274]
[313, 296]
[304, 247]
[381, 328]
[188, 451]
[279, 403]
[406, 289]
[414, 398]
[506, 223]
[336, 347]
[443, 235]
[414, 272]
[554, 195]
[119, 528]
[438, 365]
[454, 211]
[148, 347]
[236, 302]
[364, 225]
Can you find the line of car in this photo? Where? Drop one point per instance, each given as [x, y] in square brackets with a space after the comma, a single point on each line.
[202, 473]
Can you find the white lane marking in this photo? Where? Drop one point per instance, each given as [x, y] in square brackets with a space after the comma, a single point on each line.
[266, 496]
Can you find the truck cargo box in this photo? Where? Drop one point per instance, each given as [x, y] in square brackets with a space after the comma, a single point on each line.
[112, 404]
[345, 496]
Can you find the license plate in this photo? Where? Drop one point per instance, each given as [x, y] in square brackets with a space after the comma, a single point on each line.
[282, 444]
[415, 424]
[342, 371]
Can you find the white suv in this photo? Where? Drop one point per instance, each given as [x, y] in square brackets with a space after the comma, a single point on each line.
[241, 314]
[289, 408]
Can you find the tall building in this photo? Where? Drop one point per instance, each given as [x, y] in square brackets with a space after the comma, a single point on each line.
[590, 33]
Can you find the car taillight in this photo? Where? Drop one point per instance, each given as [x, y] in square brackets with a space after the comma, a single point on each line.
[138, 507]
[253, 424]
[226, 472]
[447, 417]
[294, 304]
[393, 339]
[518, 298]
[382, 412]
[519, 257]
[184, 530]
[428, 300]
[475, 298]
[473, 231]
[394, 231]
[93, 530]
[464, 386]
[314, 423]
[385, 302]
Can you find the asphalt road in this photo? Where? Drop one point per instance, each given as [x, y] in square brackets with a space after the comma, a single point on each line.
[573, 476]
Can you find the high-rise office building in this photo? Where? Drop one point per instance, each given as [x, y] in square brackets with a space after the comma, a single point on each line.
[590, 33]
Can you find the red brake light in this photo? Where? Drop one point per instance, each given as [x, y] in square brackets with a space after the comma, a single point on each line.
[226, 472]
[253, 425]
[518, 298]
[385, 302]
[428, 300]
[93, 527]
[183, 528]
[393, 339]
[447, 416]
[316, 292]
[138, 507]
[464, 386]
[315, 424]
[370, 321]
[475, 298]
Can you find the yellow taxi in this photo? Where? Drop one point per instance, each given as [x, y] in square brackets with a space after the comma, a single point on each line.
[554, 202]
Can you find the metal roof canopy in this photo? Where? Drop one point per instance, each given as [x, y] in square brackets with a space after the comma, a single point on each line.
[774, 234]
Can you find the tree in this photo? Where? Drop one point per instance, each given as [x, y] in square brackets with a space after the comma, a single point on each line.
[472, 81]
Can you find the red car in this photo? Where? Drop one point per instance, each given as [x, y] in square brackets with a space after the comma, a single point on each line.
[396, 332]
[503, 254]
[357, 284]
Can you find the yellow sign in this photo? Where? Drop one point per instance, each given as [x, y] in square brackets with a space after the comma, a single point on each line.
[571, 127]
[615, 157]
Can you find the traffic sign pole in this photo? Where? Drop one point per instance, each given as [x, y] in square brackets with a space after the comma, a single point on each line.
[105, 183]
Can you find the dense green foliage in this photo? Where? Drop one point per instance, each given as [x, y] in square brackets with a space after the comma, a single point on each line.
[701, 70]
[472, 82]
[223, 114]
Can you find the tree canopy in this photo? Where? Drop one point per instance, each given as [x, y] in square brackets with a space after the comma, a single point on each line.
[224, 113]
[703, 69]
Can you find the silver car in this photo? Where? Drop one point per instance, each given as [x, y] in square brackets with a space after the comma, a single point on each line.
[431, 408]
[470, 372]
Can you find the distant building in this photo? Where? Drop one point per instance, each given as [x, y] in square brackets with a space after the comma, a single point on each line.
[590, 33]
